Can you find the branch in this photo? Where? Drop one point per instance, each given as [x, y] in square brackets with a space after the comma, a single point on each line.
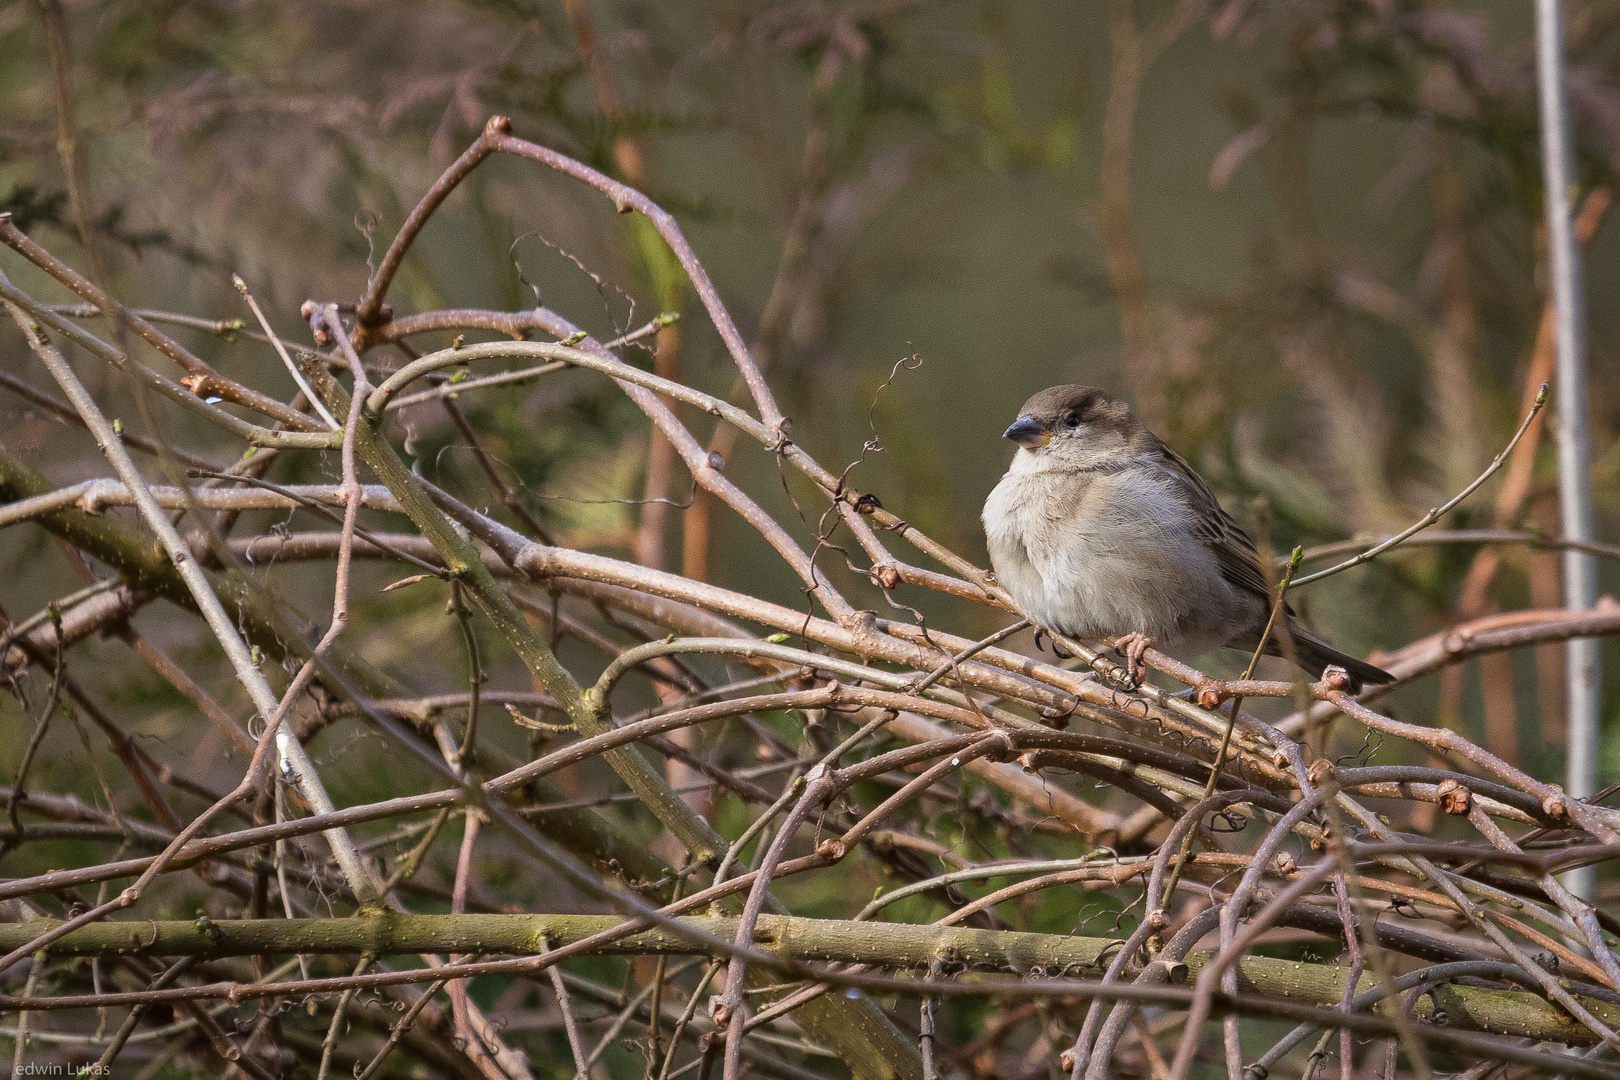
[1440, 511]
[894, 945]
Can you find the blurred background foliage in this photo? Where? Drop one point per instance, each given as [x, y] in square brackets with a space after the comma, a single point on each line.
[1302, 236]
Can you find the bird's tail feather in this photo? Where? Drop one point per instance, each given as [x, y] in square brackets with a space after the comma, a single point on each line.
[1315, 655]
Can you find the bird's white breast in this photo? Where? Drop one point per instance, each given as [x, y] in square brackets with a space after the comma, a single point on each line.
[1097, 554]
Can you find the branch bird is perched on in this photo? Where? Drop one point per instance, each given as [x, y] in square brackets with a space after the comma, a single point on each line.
[1099, 530]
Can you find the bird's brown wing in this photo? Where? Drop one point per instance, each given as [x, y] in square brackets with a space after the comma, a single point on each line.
[1240, 564]
[1214, 527]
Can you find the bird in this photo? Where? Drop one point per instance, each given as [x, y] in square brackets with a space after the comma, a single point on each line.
[1101, 531]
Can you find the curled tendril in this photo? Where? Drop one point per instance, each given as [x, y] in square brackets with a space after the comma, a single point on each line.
[1363, 754]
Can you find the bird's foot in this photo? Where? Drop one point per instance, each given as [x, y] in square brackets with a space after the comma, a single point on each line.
[1132, 646]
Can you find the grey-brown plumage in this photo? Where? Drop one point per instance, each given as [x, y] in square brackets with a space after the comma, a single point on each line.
[1099, 530]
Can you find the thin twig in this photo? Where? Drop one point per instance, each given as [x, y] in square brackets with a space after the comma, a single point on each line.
[281, 351]
[1440, 511]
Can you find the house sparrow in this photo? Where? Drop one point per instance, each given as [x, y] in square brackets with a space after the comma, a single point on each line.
[1099, 530]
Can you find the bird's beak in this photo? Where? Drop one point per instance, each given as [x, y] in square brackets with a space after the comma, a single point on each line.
[1027, 432]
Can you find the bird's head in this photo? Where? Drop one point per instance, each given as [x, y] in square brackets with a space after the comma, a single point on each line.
[1073, 424]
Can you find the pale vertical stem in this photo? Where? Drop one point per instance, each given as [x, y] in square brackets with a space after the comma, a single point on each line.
[472, 1044]
[334, 1030]
[293, 758]
[1574, 438]
[20, 1040]
[570, 1025]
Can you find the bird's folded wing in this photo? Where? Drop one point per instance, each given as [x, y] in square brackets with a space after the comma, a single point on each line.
[1214, 527]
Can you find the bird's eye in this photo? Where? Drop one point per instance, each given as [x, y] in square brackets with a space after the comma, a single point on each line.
[1072, 420]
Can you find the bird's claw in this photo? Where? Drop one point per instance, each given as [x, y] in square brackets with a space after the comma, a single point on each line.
[1132, 646]
[1041, 643]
